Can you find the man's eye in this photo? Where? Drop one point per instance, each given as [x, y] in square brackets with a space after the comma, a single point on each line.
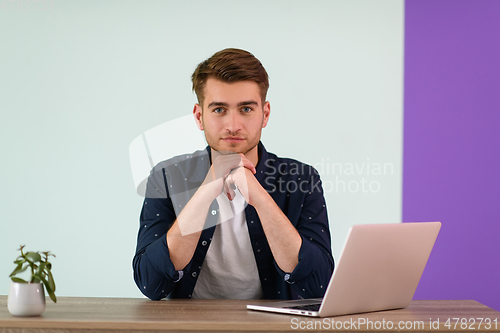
[219, 110]
[246, 109]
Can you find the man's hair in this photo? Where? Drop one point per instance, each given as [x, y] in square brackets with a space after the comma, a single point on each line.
[230, 65]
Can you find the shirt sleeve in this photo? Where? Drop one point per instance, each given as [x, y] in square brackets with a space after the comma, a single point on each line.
[154, 272]
[312, 274]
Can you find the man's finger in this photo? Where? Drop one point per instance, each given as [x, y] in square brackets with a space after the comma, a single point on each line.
[247, 164]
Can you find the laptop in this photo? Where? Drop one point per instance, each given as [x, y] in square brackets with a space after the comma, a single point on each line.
[379, 269]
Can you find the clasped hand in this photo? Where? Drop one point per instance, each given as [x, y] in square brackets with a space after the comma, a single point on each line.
[232, 170]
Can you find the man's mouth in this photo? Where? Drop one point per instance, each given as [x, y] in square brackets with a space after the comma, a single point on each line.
[233, 139]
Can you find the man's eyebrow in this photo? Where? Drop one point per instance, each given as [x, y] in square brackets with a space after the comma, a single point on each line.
[248, 103]
[251, 102]
[217, 104]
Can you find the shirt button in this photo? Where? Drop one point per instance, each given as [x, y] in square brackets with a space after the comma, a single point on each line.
[204, 243]
[214, 212]
[193, 274]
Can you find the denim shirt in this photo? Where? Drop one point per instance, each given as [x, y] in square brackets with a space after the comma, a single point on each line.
[294, 186]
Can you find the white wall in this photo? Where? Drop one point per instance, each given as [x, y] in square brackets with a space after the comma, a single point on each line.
[81, 80]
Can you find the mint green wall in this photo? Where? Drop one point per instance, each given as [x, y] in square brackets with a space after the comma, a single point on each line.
[81, 80]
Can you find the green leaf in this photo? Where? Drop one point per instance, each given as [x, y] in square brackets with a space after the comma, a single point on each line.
[18, 280]
[19, 261]
[40, 269]
[16, 270]
[50, 291]
[33, 256]
[47, 286]
[53, 297]
[51, 281]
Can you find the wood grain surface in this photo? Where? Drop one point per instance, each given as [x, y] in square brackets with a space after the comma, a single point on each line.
[82, 314]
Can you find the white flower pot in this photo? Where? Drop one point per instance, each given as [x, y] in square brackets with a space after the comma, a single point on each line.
[26, 299]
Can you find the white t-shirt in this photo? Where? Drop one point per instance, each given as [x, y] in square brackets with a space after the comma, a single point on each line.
[229, 270]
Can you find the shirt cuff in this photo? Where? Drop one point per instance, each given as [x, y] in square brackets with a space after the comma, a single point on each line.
[181, 274]
[159, 258]
[307, 254]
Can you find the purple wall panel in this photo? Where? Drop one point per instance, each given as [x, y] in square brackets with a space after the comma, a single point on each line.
[452, 143]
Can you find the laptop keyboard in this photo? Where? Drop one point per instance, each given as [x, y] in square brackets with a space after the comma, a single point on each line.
[308, 307]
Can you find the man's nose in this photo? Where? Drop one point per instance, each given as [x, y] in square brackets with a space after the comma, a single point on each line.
[233, 122]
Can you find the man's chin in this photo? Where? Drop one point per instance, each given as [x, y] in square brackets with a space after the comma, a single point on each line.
[230, 148]
[227, 151]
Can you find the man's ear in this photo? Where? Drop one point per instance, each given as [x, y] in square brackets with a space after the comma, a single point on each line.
[197, 113]
[267, 111]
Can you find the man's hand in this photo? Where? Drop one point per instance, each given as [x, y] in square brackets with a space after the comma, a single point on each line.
[222, 166]
[247, 184]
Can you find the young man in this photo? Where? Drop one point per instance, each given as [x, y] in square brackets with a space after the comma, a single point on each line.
[233, 221]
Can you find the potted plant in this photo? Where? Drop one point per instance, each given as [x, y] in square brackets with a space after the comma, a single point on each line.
[27, 297]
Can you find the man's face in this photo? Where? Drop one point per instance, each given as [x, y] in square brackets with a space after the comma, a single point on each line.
[232, 116]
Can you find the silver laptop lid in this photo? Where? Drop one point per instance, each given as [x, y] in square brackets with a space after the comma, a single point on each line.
[379, 268]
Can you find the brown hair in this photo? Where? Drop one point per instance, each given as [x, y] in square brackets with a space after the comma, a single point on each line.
[230, 65]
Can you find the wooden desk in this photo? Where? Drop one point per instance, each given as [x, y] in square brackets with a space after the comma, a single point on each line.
[75, 314]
